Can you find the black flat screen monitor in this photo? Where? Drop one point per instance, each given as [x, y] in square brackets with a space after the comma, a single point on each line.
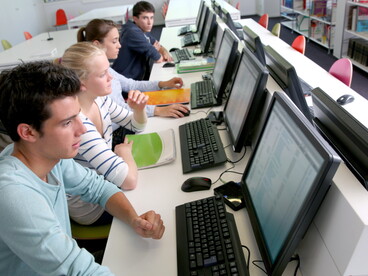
[209, 31]
[285, 181]
[230, 23]
[201, 18]
[246, 99]
[224, 66]
[285, 75]
[344, 132]
[253, 42]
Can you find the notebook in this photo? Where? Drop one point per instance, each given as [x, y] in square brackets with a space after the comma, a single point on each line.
[153, 149]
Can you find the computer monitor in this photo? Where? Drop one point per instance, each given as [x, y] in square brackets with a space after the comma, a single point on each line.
[201, 17]
[344, 132]
[224, 66]
[285, 181]
[253, 42]
[209, 31]
[285, 75]
[217, 8]
[226, 17]
[247, 96]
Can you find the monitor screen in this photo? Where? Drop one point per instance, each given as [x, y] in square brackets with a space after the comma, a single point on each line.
[224, 66]
[345, 133]
[246, 99]
[285, 75]
[208, 32]
[230, 23]
[253, 42]
[285, 181]
[202, 13]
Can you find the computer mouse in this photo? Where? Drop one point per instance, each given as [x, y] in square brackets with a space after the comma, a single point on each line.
[185, 113]
[196, 184]
[168, 64]
[173, 49]
[345, 99]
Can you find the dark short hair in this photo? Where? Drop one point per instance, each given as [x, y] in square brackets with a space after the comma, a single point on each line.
[142, 6]
[96, 29]
[27, 91]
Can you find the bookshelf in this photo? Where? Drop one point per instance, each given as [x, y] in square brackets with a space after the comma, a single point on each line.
[355, 34]
[315, 19]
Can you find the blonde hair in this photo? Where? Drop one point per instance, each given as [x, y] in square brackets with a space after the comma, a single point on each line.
[79, 56]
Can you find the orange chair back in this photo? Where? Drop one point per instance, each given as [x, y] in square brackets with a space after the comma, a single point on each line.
[299, 44]
[263, 21]
[27, 35]
[342, 69]
[61, 18]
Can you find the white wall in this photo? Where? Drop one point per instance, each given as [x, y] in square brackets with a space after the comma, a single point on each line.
[17, 16]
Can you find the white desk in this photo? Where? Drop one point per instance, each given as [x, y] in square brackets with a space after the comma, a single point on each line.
[38, 48]
[116, 14]
[334, 244]
[184, 12]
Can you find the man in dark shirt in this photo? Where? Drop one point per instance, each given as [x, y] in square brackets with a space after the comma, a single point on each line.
[138, 46]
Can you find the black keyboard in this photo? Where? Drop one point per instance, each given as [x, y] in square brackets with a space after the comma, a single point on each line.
[182, 54]
[202, 94]
[189, 40]
[207, 239]
[201, 146]
[307, 89]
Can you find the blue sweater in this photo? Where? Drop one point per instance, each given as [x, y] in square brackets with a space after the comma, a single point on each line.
[35, 235]
[136, 48]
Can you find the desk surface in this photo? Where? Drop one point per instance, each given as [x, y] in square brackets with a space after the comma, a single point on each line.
[116, 14]
[159, 189]
[179, 13]
[38, 48]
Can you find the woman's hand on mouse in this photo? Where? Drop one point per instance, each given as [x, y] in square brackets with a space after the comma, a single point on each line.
[174, 110]
[171, 83]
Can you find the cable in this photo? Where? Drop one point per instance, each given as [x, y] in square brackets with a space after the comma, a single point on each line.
[248, 259]
[295, 258]
[261, 268]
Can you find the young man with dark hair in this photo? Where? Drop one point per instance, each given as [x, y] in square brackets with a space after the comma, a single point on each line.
[39, 109]
[138, 46]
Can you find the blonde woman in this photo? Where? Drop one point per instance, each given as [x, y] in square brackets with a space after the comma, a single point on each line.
[98, 111]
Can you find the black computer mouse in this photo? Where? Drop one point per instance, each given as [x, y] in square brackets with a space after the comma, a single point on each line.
[196, 184]
[345, 99]
[173, 49]
[185, 113]
[168, 64]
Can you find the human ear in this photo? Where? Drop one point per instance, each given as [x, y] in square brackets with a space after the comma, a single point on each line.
[27, 133]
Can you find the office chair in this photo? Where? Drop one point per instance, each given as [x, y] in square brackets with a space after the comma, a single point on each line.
[88, 232]
[276, 29]
[342, 69]
[6, 44]
[237, 6]
[27, 35]
[299, 44]
[61, 18]
[263, 21]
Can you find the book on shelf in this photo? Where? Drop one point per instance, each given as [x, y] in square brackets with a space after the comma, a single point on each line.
[168, 96]
[318, 8]
[196, 65]
[358, 50]
[153, 149]
[362, 19]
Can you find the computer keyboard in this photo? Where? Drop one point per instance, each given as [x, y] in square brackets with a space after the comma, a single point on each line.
[307, 89]
[207, 239]
[182, 54]
[186, 29]
[201, 145]
[202, 94]
[189, 40]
